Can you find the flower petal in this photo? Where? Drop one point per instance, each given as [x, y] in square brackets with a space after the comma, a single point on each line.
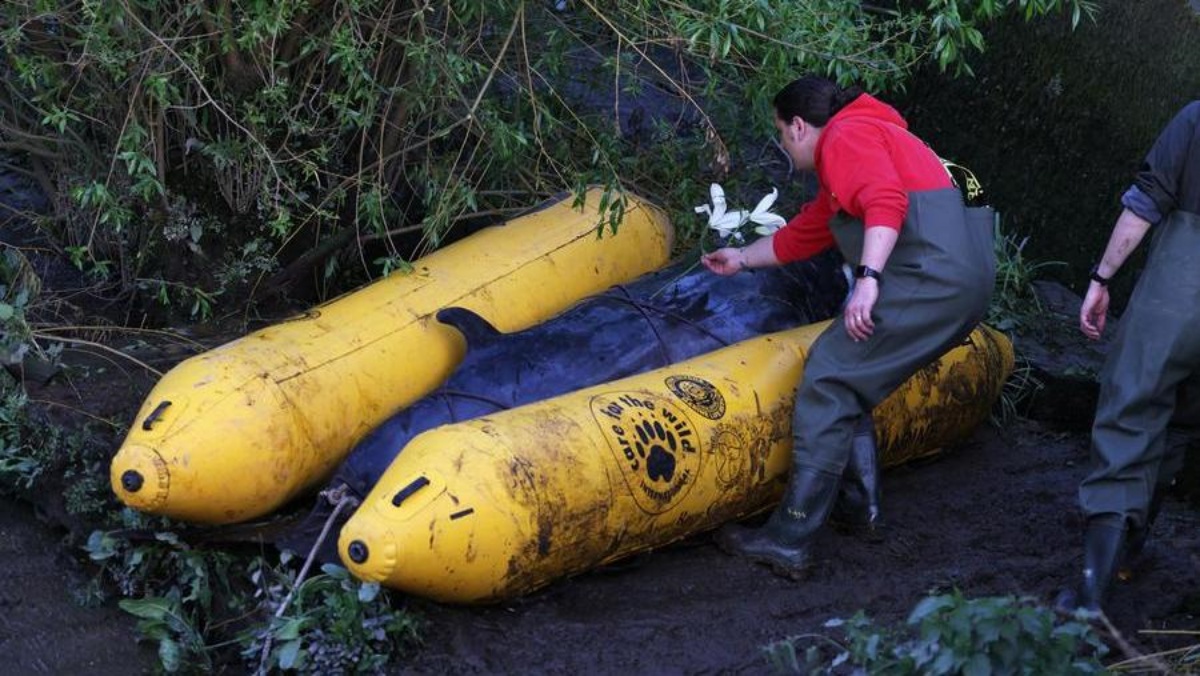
[769, 219]
[717, 193]
[766, 202]
[727, 223]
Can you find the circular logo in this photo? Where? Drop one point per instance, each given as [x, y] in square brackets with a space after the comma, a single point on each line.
[700, 395]
[654, 445]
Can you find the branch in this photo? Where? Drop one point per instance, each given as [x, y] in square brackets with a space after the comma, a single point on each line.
[98, 346]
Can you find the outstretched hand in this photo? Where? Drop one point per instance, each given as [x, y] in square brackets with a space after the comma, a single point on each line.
[1094, 311]
[725, 262]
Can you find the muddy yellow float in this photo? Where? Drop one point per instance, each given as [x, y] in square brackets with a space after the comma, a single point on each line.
[235, 432]
[495, 507]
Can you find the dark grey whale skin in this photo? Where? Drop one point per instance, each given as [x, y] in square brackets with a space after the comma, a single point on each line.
[659, 319]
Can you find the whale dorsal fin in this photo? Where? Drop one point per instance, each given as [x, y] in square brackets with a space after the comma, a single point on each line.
[477, 330]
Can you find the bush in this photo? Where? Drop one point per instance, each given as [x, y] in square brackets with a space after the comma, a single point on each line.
[950, 634]
[198, 604]
[339, 133]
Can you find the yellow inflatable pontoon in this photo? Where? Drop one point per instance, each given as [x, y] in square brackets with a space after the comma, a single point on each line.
[235, 432]
[495, 507]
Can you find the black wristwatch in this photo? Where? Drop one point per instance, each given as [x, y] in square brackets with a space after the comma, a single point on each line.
[864, 271]
[1096, 277]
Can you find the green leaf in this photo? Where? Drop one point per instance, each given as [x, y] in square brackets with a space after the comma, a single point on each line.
[150, 608]
[929, 606]
[368, 591]
[170, 655]
[290, 630]
[290, 655]
[979, 665]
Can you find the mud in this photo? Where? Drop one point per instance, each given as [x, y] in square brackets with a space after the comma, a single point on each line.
[44, 628]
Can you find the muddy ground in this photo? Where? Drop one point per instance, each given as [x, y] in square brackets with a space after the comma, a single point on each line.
[995, 515]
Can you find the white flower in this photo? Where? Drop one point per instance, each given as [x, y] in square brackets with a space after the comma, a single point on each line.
[768, 221]
[724, 222]
[729, 223]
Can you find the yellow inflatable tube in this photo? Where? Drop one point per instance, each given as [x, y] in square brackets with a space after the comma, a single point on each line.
[235, 432]
[498, 506]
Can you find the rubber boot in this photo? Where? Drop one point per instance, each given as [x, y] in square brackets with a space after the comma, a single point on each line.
[1137, 536]
[783, 543]
[1103, 546]
[858, 503]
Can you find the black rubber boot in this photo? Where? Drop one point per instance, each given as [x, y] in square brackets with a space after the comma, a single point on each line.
[1103, 547]
[858, 503]
[1137, 536]
[783, 543]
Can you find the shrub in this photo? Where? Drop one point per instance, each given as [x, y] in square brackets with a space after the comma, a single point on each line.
[223, 132]
[950, 634]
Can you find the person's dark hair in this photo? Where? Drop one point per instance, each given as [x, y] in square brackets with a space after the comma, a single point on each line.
[813, 99]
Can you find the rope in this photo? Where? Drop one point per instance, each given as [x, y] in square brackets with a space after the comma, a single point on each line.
[340, 500]
[446, 395]
[642, 309]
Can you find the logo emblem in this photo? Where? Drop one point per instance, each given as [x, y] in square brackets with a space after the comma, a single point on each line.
[700, 395]
[654, 444]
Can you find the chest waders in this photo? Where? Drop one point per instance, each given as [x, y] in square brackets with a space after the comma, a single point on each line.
[1154, 357]
[935, 289]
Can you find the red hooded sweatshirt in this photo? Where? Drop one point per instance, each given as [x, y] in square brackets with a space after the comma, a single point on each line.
[867, 162]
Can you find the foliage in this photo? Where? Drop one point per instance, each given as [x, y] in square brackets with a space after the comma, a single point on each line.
[950, 634]
[1014, 306]
[1014, 302]
[19, 288]
[307, 128]
[174, 589]
[19, 465]
[1021, 384]
[37, 455]
[195, 602]
[335, 624]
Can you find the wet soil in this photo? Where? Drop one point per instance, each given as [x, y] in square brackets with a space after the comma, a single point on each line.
[44, 627]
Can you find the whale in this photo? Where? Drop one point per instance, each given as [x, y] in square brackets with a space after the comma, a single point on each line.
[659, 319]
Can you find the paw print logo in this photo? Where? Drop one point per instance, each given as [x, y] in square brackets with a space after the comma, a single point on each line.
[655, 444]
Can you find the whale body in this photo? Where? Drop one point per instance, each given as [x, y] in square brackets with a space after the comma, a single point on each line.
[657, 320]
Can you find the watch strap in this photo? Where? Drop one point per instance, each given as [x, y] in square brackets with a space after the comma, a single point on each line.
[861, 271]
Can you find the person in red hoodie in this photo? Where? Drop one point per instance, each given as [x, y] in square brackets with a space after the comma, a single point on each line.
[924, 268]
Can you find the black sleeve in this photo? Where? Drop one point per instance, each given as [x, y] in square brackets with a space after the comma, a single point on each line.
[1174, 156]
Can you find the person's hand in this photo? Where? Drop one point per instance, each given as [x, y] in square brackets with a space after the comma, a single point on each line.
[857, 316]
[725, 262]
[1094, 311]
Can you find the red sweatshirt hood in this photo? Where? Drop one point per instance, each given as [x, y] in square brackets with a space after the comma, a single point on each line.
[867, 107]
